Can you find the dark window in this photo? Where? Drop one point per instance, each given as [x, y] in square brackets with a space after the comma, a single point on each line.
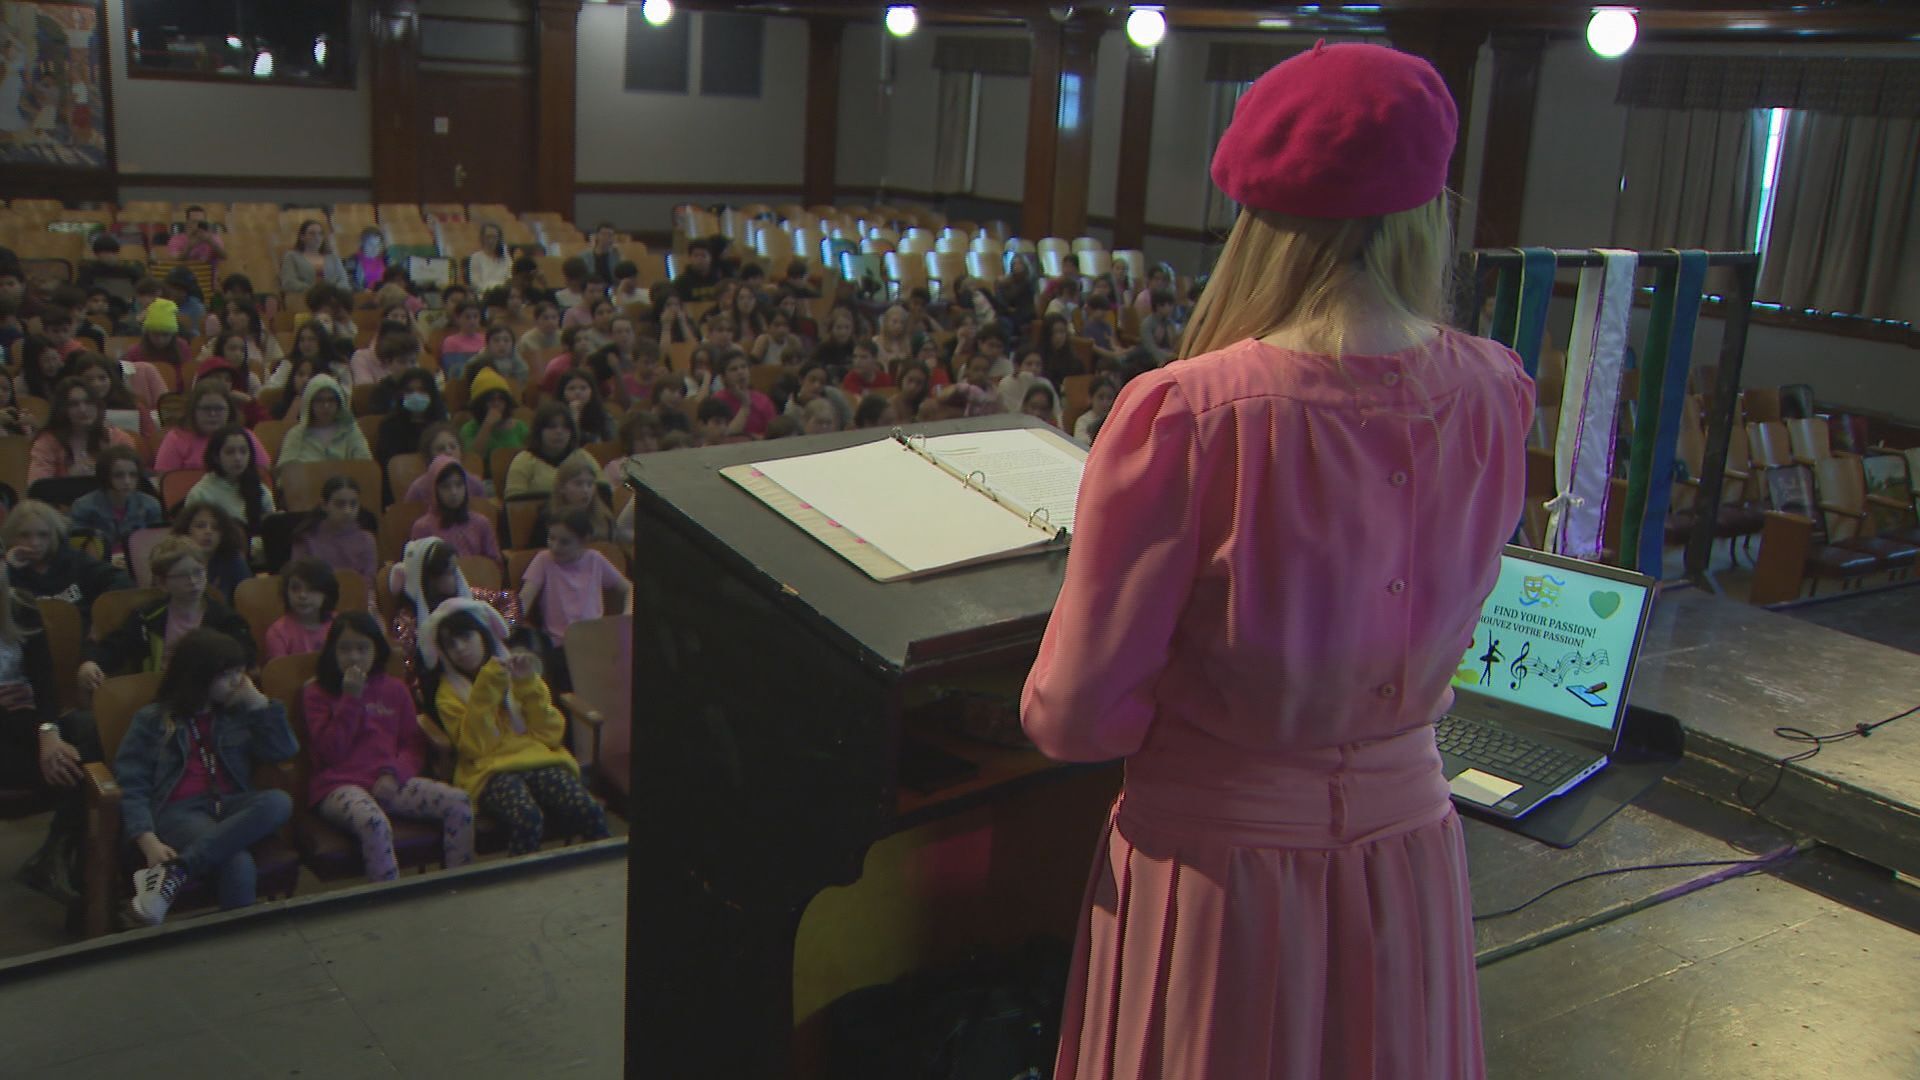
[656, 55]
[308, 43]
[730, 47]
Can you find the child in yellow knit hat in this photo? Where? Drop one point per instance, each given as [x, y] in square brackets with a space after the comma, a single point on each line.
[160, 341]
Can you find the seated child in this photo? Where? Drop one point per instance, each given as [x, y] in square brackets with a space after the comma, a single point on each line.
[308, 592]
[427, 576]
[185, 770]
[146, 640]
[448, 517]
[118, 508]
[508, 739]
[221, 540]
[575, 487]
[333, 533]
[565, 584]
[367, 750]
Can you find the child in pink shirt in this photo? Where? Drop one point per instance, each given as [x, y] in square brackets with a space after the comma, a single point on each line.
[564, 582]
[333, 532]
[309, 592]
[465, 341]
[367, 751]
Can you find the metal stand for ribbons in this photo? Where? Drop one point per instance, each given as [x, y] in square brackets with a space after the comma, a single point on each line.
[1722, 411]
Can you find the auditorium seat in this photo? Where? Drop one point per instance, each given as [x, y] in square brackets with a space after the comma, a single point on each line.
[110, 862]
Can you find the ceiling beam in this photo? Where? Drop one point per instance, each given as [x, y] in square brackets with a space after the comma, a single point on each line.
[1737, 20]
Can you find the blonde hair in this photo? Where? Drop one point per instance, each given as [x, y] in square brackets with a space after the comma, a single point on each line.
[573, 467]
[169, 551]
[1280, 271]
[33, 512]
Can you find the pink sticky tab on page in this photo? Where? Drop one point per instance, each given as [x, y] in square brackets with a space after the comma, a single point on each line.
[756, 473]
[806, 506]
[833, 523]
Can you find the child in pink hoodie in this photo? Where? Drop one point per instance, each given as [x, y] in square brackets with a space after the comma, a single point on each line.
[367, 750]
[448, 516]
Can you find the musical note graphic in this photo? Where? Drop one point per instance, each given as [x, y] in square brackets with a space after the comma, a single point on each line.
[1518, 669]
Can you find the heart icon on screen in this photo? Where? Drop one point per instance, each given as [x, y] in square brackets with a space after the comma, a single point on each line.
[1604, 604]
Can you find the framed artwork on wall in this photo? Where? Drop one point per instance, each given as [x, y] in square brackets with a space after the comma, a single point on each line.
[53, 103]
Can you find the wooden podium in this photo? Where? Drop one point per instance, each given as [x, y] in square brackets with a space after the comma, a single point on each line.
[775, 688]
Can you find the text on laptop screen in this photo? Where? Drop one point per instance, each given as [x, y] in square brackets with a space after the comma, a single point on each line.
[1558, 641]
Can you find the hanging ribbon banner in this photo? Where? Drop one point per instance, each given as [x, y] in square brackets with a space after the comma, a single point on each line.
[1589, 406]
[1663, 393]
[1520, 307]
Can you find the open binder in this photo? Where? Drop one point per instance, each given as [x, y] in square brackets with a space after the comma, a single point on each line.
[907, 505]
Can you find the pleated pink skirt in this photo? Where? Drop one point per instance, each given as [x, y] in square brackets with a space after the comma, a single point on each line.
[1298, 918]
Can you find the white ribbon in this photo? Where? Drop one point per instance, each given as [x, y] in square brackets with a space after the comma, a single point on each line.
[1589, 404]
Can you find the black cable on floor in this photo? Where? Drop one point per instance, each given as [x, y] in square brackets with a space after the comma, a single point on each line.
[1814, 744]
[1755, 863]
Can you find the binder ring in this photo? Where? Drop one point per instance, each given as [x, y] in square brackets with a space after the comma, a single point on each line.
[1046, 519]
[982, 485]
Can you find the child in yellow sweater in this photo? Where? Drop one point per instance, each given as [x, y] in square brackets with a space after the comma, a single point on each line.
[508, 738]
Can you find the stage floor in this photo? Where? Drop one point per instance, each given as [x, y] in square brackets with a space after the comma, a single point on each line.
[516, 976]
[1733, 673]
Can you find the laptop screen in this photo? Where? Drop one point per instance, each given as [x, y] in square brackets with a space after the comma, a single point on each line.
[1555, 640]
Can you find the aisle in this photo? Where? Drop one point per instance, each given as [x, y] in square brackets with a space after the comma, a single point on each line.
[521, 976]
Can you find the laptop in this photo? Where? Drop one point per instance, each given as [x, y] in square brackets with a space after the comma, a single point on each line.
[1542, 692]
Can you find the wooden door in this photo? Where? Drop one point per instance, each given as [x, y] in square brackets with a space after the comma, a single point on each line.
[476, 135]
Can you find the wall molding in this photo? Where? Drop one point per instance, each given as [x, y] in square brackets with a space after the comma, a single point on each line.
[213, 180]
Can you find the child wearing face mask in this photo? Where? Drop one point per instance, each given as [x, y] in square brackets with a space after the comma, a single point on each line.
[118, 508]
[508, 739]
[367, 751]
[325, 430]
[419, 407]
[308, 594]
[333, 532]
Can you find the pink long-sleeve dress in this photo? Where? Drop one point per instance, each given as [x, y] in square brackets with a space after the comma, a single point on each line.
[1278, 564]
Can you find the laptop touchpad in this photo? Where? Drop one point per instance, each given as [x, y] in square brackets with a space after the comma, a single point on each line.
[1483, 788]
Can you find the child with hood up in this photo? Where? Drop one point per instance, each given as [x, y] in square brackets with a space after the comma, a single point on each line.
[427, 576]
[448, 517]
[326, 430]
[508, 739]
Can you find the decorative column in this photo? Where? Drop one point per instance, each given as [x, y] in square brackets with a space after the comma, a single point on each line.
[1136, 148]
[1060, 126]
[394, 47]
[818, 178]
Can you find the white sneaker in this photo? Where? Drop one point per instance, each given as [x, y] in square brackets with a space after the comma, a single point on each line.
[154, 889]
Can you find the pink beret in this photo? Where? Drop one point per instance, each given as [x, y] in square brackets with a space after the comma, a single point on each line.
[1339, 131]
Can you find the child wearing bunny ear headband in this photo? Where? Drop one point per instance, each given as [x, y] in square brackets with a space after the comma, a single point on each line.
[508, 739]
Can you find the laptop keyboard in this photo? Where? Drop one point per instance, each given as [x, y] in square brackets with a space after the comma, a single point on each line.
[1511, 755]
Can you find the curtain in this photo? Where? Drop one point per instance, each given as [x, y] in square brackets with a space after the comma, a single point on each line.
[1845, 226]
[1220, 210]
[1690, 178]
[1853, 86]
[952, 132]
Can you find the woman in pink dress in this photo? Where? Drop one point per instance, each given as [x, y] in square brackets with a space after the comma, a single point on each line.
[1283, 542]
